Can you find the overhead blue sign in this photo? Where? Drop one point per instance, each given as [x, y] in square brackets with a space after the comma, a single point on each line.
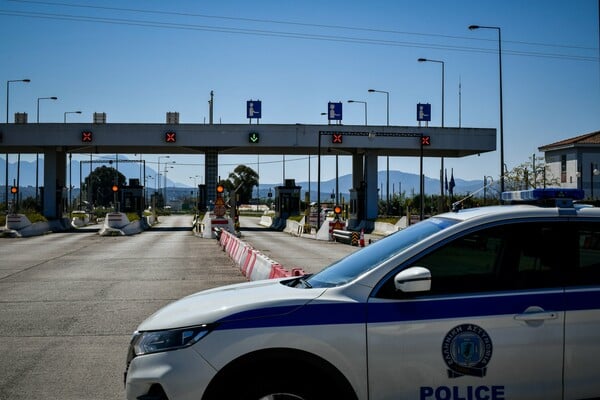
[253, 109]
[334, 111]
[424, 112]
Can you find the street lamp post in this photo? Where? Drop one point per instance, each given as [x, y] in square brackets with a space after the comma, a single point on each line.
[442, 202]
[387, 95]
[366, 124]
[166, 181]
[363, 102]
[38, 105]
[7, 112]
[69, 112]
[473, 27]
[387, 158]
[7, 92]
[158, 179]
[485, 185]
[19, 156]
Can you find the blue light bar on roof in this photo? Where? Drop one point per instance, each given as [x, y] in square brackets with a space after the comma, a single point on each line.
[543, 194]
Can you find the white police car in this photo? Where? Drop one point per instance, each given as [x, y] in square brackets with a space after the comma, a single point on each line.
[488, 303]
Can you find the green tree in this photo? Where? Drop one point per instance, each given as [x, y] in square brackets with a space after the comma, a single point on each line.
[529, 175]
[243, 178]
[99, 185]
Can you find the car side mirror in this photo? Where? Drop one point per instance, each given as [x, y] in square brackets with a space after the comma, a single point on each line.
[413, 279]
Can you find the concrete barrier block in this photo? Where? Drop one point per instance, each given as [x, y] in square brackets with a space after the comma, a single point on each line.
[17, 221]
[262, 268]
[116, 220]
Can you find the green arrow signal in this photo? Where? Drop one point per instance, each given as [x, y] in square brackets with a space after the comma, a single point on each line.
[253, 137]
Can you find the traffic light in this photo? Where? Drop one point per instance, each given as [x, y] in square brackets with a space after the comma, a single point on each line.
[253, 137]
[220, 189]
[337, 138]
[115, 188]
[14, 189]
[86, 137]
[337, 210]
[170, 137]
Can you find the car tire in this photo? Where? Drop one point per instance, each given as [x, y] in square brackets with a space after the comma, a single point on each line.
[290, 379]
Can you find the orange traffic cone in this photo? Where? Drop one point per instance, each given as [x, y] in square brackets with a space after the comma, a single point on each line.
[361, 240]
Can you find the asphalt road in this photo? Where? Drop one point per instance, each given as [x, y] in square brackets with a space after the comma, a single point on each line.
[290, 251]
[70, 301]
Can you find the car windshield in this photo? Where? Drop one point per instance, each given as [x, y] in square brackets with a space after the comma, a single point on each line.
[357, 263]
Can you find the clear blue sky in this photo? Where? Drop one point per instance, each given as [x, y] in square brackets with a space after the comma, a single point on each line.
[136, 60]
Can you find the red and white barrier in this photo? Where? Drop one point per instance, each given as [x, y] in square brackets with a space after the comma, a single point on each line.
[253, 264]
[249, 261]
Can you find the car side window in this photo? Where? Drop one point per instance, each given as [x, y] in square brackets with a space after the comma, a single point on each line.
[587, 270]
[499, 258]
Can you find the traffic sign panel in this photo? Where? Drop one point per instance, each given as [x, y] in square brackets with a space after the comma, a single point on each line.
[253, 137]
[253, 109]
[334, 111]
[424, 112]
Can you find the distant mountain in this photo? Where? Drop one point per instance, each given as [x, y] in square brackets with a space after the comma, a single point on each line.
[128, 167]
[399, 181]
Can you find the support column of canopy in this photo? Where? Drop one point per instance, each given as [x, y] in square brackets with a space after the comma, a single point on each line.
[55, 172]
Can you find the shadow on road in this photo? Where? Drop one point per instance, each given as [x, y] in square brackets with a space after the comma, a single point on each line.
[171, 229]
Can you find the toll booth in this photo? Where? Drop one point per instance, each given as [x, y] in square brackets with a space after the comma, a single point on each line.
[287, 199]
[357, 206]
[132, 197]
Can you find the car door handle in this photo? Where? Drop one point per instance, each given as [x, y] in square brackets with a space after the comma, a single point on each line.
[536, 313]
[538, 316]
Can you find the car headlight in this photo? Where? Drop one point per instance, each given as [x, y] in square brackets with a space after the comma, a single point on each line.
[171, 339]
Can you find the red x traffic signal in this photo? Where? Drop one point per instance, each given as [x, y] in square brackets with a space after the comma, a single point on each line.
[170, 137]
[425, 140]
[86, 136]
[337, 138]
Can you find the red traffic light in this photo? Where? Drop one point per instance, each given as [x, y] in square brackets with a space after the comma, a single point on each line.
[337, 209]
[14, 189]
[220, 189]
[86, 136]
[115, 188]
[170, 137]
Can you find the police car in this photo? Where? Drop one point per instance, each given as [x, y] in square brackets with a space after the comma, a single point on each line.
[491, 303]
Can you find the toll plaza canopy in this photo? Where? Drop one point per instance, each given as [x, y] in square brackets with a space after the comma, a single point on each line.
[363, 142]
[244, 139]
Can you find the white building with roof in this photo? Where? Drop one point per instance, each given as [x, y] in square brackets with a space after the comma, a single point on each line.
[576, 163]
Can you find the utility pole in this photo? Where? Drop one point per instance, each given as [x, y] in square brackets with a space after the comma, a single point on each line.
[210, 108]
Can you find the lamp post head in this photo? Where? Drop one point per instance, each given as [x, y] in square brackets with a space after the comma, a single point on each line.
[421, 59]
[371, 90]
[473, 27]
[26, 80]
[53, 98]
[350, 101]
